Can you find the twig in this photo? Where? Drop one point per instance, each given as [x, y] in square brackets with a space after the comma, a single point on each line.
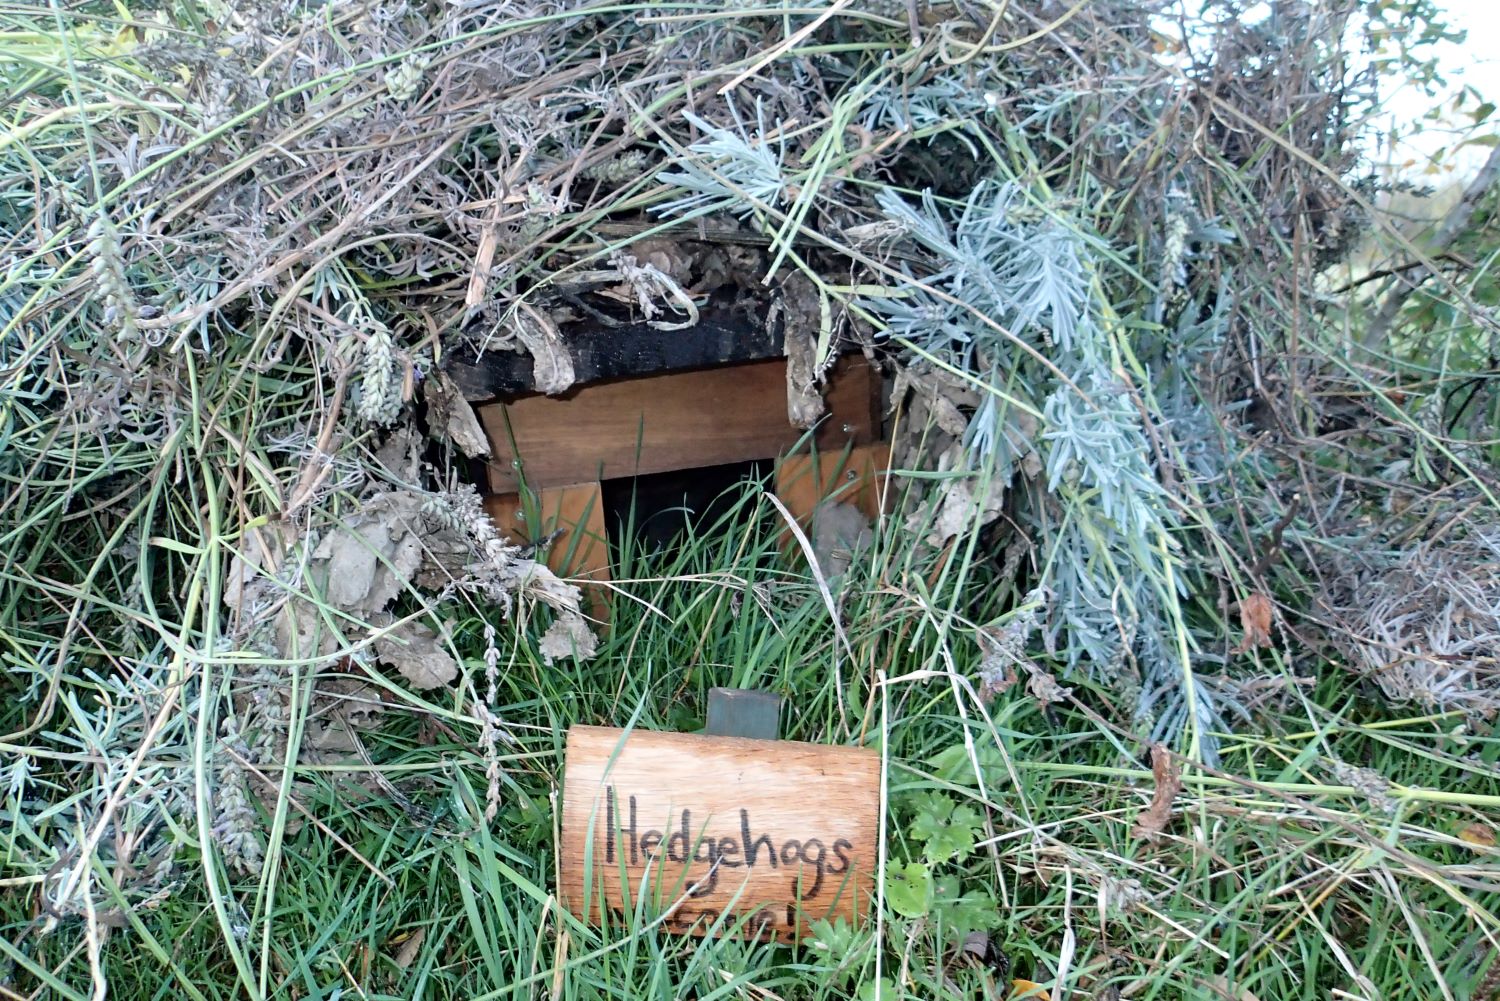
[1453, 225]
[776, 51]
[1396, 269]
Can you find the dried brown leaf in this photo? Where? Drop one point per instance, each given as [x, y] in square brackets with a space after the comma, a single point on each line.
[417, 652]
[370, 558]
[1256, 615]
[407, 948]
[343, 707]
[1477, 834]
[976, 944]
[569, 636]
[960, 511]
[667, 256]
[948, 416]
[450, 416]
[551, 364]
[840, 532]
[804, 401]
[1154, 819]
[249, 577]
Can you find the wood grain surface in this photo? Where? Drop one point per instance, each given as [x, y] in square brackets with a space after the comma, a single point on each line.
[768, 834]
[804, 481]
[658, 423]
[581, 552]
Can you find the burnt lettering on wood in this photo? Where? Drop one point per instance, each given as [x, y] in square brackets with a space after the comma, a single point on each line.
[722, 852]
[751, 837]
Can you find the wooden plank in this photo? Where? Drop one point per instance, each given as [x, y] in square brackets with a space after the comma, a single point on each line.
[678, 420]
[803, 481]
[723, 334]
[775, 832]
[581, 552]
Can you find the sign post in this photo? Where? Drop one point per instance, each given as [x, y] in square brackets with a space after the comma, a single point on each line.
[728, 834]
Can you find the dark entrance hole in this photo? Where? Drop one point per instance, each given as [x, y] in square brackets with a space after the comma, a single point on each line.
[655, 513]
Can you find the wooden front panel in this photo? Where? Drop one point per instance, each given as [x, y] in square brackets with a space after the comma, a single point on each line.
[581, 552]
[775, 832]
[859, 479]
[677, 420]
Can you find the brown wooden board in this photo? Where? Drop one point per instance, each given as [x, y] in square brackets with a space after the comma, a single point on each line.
[677, 420]
[580, 552]
[769, 834]
[859, 478]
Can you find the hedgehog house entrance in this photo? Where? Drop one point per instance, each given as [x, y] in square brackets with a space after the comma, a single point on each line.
[557, 452]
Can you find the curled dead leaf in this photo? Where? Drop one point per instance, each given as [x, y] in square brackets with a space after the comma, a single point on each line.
[1477, 834]
[804, 403]
[551, 364]
[960, 511]
[948, 416]
[450, 416]
[799, 304]
[568, 636]
[417, 652]
[840, 533]
[667, 256]
[1154, 819]
[1256, 615]
[405, 947]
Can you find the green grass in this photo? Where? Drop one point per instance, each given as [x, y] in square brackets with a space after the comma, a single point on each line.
[1271, 882]
[383, 877]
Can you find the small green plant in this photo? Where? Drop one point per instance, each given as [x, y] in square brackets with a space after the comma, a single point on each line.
[932, 884]
[843, 948]
[947, 828]
[908, 888]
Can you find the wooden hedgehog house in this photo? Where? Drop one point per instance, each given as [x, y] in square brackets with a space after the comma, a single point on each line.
[680, 401]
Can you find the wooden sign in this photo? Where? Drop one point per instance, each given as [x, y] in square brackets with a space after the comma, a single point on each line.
[768, 835]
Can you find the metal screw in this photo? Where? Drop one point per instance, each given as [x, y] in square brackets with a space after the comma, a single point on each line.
[849, 475]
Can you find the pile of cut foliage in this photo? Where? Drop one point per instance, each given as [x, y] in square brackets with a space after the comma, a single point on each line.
[1157, 476]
